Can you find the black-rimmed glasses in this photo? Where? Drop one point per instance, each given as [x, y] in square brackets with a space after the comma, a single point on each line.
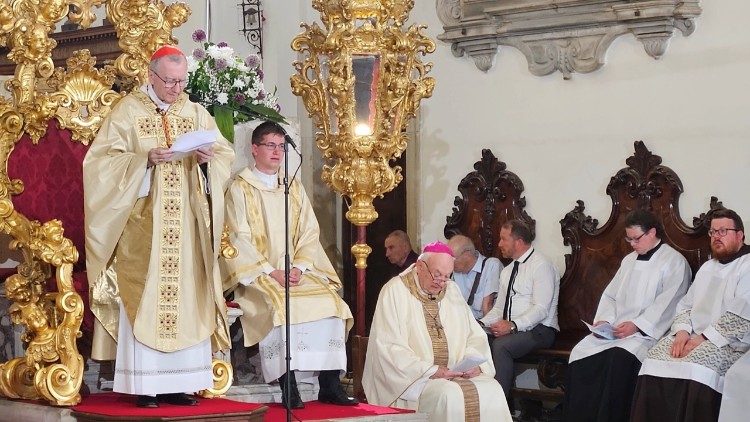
[634, 239]
[171, 84]
[720, 232]
[437, 275]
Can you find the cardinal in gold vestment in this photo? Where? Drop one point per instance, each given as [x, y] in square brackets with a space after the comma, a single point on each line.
[153, 226]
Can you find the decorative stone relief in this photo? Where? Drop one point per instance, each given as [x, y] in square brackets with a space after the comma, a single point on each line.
[560, 35]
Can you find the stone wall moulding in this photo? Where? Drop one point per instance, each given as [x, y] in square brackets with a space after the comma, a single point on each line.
[560, 35]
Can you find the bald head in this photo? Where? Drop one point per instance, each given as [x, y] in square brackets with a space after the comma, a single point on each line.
[465, 252]
[397, 247]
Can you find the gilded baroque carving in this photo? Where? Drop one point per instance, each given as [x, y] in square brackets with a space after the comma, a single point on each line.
[80, 97]
[83, 95]
[564, 36]
[359, 163]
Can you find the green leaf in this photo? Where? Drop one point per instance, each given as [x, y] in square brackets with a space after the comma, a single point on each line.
[263, 112]
[224, 117]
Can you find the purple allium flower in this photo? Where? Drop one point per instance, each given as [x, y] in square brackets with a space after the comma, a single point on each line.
[239, 98]
[199, 35]
[261, 95]
[260, 73]
[222, 44]
[220, 64]
[252, 61]
[199, 54]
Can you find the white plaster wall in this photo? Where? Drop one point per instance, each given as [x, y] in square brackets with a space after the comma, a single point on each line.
[565, 139]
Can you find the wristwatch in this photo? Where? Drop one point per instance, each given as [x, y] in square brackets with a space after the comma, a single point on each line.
[513, 329]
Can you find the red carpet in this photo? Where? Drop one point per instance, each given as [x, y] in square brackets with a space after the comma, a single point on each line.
[114, 404]
[121, 405]
[315, 410]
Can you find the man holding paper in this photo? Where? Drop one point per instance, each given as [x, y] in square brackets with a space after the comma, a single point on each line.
[634, 311]
[426, 351]
[152, 237]
[319, 318]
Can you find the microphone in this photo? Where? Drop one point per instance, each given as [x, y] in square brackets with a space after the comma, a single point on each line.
[289, 140]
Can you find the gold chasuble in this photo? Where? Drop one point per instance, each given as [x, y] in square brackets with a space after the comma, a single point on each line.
[412, 334]
[152, 235]
[255, 216]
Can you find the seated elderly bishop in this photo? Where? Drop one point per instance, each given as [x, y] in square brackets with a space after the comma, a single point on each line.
[319, 318]
[684, 373]
[639, 303]
[426, 351]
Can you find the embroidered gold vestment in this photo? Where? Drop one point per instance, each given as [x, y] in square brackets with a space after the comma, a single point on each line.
[255, 217]
[157, 253]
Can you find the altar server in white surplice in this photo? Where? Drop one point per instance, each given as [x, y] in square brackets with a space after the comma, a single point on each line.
[684, 373]
[421, 329]
[640, 304]
[734, 405]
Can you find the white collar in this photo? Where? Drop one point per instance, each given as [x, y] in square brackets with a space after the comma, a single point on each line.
[271, 180]
[149, 90]
[525, 256]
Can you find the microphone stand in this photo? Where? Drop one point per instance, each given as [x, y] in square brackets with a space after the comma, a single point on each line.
[287, 326]
[287, 267]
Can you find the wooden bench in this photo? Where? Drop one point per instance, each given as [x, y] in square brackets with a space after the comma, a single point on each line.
[491, 195]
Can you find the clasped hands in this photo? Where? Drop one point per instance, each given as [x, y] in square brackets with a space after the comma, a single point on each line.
[295, 275]
[446, 373]
[163, 155]
[684, 343]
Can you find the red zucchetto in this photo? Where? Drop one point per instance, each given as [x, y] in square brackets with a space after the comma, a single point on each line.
[438, 247]
[166, 50]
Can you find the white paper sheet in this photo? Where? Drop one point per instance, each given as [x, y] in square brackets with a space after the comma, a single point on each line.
[603, 330]
[467, 363]
[191, 141]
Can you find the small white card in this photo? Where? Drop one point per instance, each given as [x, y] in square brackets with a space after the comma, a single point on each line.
[467, 363]
[603, 330]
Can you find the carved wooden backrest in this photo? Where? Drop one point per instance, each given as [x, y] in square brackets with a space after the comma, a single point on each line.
[490, 196]
[596, 252]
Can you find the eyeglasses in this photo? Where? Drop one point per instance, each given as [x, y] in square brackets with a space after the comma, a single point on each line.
[720, 232]
[437, 276]
[271, 146]
[634, 239]
[171, 84]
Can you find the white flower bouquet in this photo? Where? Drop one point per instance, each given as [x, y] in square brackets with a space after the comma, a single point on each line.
[229, 87]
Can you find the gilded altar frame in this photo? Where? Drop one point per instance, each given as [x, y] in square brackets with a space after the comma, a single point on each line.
[79, 97]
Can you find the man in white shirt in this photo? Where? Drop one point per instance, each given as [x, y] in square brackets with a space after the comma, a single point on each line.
[319, 318]
[524, 317]
[475, 275]
[684, 373]
[639, 303]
